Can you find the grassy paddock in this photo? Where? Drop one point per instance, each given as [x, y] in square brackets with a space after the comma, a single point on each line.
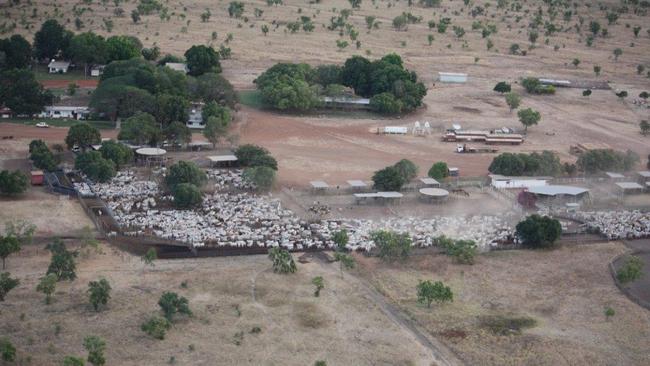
[251, 98]
[41, 73]
[60, 122]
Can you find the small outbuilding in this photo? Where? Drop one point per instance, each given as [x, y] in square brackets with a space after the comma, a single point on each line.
[220, 160]
[559, 192]
[319, 185]
[430, 182]
[97, 70]
[357, 185]
[644, 176]
[433, 195]
[506, 182]
[37, 177]
[178, 66]
[151, 156]
[629, 187]
[58, 67]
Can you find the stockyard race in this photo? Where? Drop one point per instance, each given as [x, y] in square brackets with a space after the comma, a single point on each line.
[282, 182]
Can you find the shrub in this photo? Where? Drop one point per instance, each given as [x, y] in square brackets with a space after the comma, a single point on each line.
[631, 270]
[501, 325]
[13, 183]
[170, 303]
[252, 155]
[392, 245]
[185, 172]
[93, 165]
[463, 251]
[502, 87]
[538, 231]
[601, 160]
[261, 177]
[433, 291]
[534, 86]
[388, 179]
[7, 284]
[99, 293]
[439, 170]
[407, 169]
[7, 350]
[156, 327]
[282, 261]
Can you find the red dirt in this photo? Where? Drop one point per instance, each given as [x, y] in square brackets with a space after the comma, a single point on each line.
[52, 134]
[57, 84]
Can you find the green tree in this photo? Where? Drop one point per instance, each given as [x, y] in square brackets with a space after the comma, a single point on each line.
[265, 29]
[82, 135]
[141, 129]
[528, 117]
[22, 93]
[149, 257]
[597, 70]
[594, 27]
[604, 160]
[9, 244]
[215, 129]
[340, 238]
[50, 40]
[576, 62]
[319, 283]
[13, 183]
[386, 103]
[62, 263]
[7, 284]
[400, 22]
[388, 179]
[282, 261]
[186, 195]
[439, 171]
[643, 125]
[262, 177]
[17, 52]
[156, 327]
[151, 54]
[170, 304]
[95, 347]
[41, 156]
[392, 245]
[586, 93]
[93, 165]
[47, 285]
[459, 31]
[169, 108]
[617, 53]
[235, 9]
[202, 59]
[116, 152]
[429, 292]
[622, 94]
[185, 172]
[463, 251]
[177, 133]
[513, 100]
[73, 361]
[252, 155]
[214, 87]
[407, 169]
[7, 350]
[502, 87]
[345, 261]
[88, 48]
[631, 270]
[99, 292]
[538, 231]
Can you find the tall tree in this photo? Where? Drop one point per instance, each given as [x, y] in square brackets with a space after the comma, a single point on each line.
[47, 285]
[123, 47]
[7, 284]
[49, 40]
[513, 100]
[82, 135]
[17, 51]
[62, 263]
[88, 48]
[99, 292]
[529, 117]
[13, 183]
[8, 245]
[20, 92]
[95, 347]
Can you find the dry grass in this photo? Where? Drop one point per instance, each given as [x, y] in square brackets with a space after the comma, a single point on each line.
[525, 307]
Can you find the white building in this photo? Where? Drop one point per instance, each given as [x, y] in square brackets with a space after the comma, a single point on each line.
[178, 66]
[503, 182]
[65, 112]
[97, 70]
[195, 119]
[451, 77]
[58, 67]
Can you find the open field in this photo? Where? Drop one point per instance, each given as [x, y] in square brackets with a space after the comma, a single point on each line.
[565, 291]
[227, 295]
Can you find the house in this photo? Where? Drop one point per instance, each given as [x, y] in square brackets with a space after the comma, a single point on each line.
[97, 70]
[178, 66]
[452, 77]
[65, 112]
[504, 182]
[5, 112]
[58, 67]
[195, 119]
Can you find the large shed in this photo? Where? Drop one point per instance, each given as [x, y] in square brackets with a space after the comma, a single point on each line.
[452, 77]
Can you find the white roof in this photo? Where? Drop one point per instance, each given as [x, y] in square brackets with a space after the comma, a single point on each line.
[319, 184]
[505, 177]
[451, 74]
[629, 185]
[434, 192]
[557, 190]
[151, 151]
[344, 100]
[367, 195]
[379, 195]
[357, 183]
[177, 66]
[429, 181]
[61, 108]
[396, 129]
[58, 64]
[644, 173]
[452, 169]
[614, 175]
[199, 143]
[222, 158]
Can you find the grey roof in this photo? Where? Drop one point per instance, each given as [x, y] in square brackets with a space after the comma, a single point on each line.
[429, 181]
[344, 100]
[629, 185]
[379, 195]
[434, 192]
[58, 64]
[319, 184]
[505, 177]
[357, 183]
[614, 175]
[645, 173]
[558, 190]
[222, 158]
[151, 151]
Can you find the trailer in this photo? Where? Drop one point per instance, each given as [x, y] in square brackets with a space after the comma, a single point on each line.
[464, 149]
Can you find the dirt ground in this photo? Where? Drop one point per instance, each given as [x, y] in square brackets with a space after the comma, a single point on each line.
[340, 148]
[227, 296]
[565, 290]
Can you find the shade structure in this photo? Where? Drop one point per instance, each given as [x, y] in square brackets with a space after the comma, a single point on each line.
[151, 151]
[357, 183]
[319, 184]
[434, 192]
[429, 181]
[222, 158]
[556, 190]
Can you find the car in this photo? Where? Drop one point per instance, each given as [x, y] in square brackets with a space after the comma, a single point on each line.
[42, 125]
[76, 149]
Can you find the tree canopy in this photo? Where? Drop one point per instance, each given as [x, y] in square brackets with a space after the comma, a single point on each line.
[82, 135]
[538, 231]
[388, 179]
[185, 172]
[17, 52]
[51, 39]
[407, 169]
[13, 182]
[529, 117]
[116, 152]
[602, 160]
[186, 195]
[20, 92]
[62, 263]
[171, 304]
[545, 163]
[202, 59]
[439, 170]
[392, 245]
[141, 129]
[95, 166]
[41, 156]
[429, 292]
[252, 155]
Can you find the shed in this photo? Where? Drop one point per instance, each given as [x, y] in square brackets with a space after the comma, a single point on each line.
[629, 187]
[58, 67]
[178, 66]
[319, 185]
[357, 184]
[558, 192]
[454, 172]
[430, 182]
[452, 77]
[614, 175]
[501, 181]
[378, 196]
[222, 159]
[644, 176]
[97, 70]
[37, 177]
